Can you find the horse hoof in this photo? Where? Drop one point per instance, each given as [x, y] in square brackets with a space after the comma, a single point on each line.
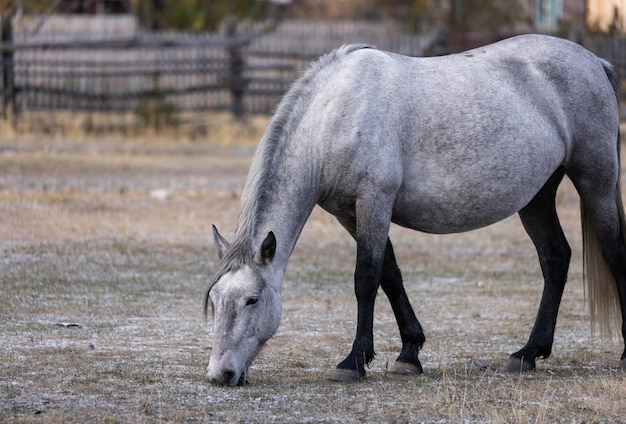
[516, 365]
[622, 365]
[345, 376]
[403, 368]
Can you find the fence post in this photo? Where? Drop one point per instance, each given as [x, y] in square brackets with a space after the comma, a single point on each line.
[236, 81]
[8, 88]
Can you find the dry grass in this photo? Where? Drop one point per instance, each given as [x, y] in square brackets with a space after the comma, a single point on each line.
[62, 126]
[86, 239]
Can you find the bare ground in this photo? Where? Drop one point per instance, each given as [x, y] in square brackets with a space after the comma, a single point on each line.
[105, 254]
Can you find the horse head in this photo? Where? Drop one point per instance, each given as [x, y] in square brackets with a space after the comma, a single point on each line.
[246, 304]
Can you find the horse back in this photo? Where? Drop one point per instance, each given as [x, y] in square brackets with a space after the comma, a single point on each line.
[481, 130]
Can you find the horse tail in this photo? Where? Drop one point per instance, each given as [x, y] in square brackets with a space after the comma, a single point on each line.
[613, 77]
[601, 287]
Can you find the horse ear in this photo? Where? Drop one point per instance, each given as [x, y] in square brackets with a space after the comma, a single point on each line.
[267, 250]
[220, 242]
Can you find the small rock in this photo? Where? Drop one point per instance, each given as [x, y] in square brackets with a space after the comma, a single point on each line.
[160, 194]
[481, 364]
[69, 324]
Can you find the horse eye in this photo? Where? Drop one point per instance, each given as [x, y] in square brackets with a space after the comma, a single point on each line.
[252, 301]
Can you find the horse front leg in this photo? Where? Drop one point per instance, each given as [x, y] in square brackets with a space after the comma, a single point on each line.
[366, 282]
[372, 227]
[411, 331]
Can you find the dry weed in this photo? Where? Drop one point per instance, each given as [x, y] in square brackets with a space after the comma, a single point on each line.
[222, 129]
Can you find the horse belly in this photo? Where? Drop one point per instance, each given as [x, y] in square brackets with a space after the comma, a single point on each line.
[473, 164]
[463, 199]
[451, 217]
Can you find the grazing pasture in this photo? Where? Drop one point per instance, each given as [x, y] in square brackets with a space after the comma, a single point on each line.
[105, 256]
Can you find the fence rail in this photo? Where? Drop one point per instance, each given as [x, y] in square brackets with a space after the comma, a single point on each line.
[77, 63]
[114, 66]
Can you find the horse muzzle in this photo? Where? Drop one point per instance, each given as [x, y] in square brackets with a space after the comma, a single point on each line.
[226, 376]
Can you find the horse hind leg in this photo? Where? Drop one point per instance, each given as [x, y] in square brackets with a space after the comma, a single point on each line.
[541, 222]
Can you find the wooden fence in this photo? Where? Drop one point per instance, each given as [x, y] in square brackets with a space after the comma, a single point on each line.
[107, 63]
[103, 71]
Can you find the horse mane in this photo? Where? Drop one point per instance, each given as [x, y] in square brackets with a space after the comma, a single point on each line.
[255, 198]
[284, 122]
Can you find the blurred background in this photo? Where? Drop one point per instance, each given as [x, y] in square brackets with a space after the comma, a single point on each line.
[124, 65]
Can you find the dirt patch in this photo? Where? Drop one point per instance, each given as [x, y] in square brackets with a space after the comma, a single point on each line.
[113, 237]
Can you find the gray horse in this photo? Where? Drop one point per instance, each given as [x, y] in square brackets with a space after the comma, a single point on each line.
[439, 145]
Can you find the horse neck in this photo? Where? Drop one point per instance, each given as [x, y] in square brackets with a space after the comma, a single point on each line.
[279, 195]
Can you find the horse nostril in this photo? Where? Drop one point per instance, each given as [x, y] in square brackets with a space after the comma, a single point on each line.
[228, 375]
